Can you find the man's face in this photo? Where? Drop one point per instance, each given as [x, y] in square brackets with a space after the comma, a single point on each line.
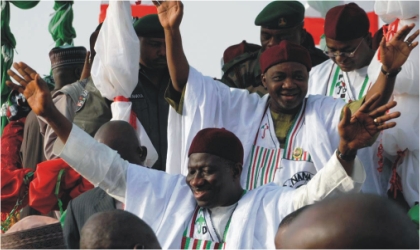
[271, 37]
[287, 85]
[211, 180]
[153, 52]
[359, 46]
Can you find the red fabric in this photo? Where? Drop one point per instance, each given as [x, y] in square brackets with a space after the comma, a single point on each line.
[218, 141]
[239, 49]
[137, 10]
[285, 52]
[11, 140]
[42, 188]
[346, 22]
[12, 174]
[133, 116]
[12, 188]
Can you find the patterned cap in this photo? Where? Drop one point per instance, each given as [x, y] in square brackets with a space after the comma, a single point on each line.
[281, 15]
[62, 56]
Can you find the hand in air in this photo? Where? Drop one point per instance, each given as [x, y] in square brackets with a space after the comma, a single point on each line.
[170, 13]
[33, 87]
[357, 130]
[395, 52]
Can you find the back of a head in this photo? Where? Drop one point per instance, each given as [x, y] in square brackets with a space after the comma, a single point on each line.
[67, 64]
[350, 221]
[121, 137]
[117, 229]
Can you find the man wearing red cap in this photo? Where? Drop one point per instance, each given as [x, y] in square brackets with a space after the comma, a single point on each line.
[287, 138]
[208, 208]
[349, 45]
[344, 76]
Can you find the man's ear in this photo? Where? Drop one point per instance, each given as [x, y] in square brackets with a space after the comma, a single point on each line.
[263, 80]
[369, 40]
[237, 170]
[143, 153]
[78, 72]
[302, 34]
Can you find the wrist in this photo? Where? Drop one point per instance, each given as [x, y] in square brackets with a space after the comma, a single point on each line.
[390, 73]
[345, 153]
[348, 157]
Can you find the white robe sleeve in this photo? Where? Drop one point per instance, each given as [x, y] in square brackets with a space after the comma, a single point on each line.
[96, 162]
[209, 103]
[330, 180]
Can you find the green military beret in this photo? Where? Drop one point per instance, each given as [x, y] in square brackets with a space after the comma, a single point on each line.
[281, 15]
[149, 26]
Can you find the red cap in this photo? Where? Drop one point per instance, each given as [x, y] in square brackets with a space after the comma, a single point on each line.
[346, 22]
[285, 52]
[219, 142]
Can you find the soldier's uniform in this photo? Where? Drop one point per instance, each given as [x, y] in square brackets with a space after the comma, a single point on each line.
[241, 62]
[147, 99]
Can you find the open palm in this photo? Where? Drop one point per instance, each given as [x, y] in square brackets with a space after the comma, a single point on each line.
[170, 13]
[33, 87]
[395, 52]
[359, 129]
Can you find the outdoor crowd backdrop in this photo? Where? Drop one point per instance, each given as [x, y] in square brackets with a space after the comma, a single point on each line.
[208, 28]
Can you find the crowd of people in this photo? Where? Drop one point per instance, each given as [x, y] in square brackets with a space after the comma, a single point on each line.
[291, 148]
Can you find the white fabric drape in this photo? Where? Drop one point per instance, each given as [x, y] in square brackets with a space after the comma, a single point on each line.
[116, 66]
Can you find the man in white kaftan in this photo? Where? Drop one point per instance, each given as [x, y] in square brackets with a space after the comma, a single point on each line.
[310, 126]
[207, 208]
[345, 76]
[166, 203]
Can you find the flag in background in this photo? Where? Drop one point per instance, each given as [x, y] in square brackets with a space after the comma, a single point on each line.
[138, 9]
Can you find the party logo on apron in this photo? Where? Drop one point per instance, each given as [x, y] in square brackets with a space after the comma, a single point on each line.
[298, 179]
[340, 87]
[201, 222]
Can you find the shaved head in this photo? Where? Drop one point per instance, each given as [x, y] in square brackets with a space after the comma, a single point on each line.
[121, 137]
[350, 221]
[117, 229]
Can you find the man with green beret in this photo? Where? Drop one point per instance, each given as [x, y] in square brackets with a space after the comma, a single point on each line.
[279, 20]
[147, 98]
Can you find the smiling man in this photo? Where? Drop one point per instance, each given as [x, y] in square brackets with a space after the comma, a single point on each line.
[287, 138]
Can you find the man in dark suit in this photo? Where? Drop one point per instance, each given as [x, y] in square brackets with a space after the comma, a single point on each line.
[120, 136]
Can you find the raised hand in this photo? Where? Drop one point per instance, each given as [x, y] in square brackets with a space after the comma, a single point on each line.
[87, 67]
[33, 87]
[170, 13]
[395, 52]
[357, 130]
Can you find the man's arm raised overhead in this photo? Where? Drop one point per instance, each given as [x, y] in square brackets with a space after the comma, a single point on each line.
[170, 16]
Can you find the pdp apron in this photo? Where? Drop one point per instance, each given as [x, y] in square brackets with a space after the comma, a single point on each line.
[291, 166]
[338, 87]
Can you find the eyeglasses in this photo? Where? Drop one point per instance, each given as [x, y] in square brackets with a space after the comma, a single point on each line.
[338, 53]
